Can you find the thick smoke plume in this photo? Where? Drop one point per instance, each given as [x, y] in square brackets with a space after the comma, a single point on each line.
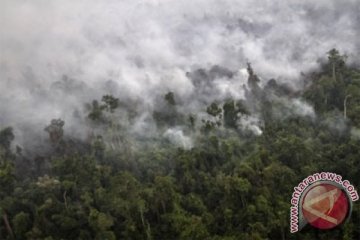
[57, 55]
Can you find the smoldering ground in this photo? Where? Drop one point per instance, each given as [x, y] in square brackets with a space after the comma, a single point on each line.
[55, 56]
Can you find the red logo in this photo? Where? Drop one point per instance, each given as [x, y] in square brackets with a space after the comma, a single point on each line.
[325, 206]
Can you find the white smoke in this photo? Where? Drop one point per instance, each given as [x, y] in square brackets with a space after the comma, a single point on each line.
[250, 123]
[302, 108]
[177, 137]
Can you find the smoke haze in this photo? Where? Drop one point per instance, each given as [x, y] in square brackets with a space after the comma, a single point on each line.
[57, 55]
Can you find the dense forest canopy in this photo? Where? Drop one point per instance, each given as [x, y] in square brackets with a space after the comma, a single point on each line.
[166, 119]
[226, 172]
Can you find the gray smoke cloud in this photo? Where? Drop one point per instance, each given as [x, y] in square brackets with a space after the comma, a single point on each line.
[56, 55]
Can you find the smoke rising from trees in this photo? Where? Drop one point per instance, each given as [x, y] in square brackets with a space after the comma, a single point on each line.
[55, 56]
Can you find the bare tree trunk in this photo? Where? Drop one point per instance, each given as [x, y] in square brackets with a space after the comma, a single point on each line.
[66, 205]
[142, 218]
[147, 228]
[148, 231]
[345, 103]
[8, 226]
